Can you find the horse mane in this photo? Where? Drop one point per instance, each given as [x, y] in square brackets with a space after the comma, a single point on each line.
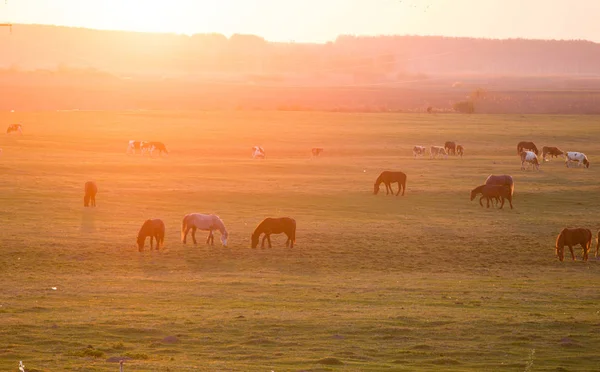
[560, 240]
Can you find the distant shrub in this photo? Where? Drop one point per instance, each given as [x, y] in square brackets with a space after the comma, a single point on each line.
[464, 107]
[89, 352]
[138, 356]
[118, 346]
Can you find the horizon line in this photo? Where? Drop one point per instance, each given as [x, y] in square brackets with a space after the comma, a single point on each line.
[289, 41]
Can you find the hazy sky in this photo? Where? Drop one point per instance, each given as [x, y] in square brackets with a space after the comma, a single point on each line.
[321, 20]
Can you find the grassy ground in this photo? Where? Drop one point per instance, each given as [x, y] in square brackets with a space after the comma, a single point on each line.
[429, 281]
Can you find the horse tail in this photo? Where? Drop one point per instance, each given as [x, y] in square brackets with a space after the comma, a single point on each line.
[293, 231]
[560, 243]
[183, 227]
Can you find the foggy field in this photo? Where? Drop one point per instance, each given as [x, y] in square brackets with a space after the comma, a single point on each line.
[426, 282]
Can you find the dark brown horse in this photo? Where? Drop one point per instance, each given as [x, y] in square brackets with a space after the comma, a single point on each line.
[450, 147]
[571, 237]
[91, 190]
[316, 151]
[387, 178]
[270, 226]
[460, 150]
[526, 145]
[493, 192]
[554, 152]
[155, 229]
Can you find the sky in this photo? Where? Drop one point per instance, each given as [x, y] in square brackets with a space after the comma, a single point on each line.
[321, 20]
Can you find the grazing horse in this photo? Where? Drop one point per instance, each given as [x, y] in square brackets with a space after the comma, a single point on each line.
[91, 190]
[270, 226]
[434, 151]
[155, 229]
[525, 145]
[388, 178]
[579, 157]
[571, 237]
[316, 151]
[554, 152]
[158, 146]
[145, 146]
[531, 158]
[450, 147]
[493, 191]
[502, 180]
[460, 150]
[419, 151]
[134, 146]
[206, 222]
[14, 128]
[258, 152]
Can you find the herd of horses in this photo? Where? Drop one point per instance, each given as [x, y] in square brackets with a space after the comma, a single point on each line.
[496, 189]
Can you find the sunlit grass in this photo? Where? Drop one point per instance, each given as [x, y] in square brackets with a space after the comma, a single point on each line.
[429, 281]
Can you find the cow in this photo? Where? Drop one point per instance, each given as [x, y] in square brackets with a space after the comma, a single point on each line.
[460, 150]
[14, 128]
[579, 157]
[450, 147]
[145, 146]
[435, 151]
[419, 151]
[158, 146]
[316, 151]
[258, 152]
[134, 146]
[552, 151]
[525, 145]
[531, 158]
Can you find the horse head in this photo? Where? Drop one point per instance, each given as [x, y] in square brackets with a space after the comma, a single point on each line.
[224, 236]
[254, 240]
[474, 192]
[140, 243]
[376, 188]
[586, 162]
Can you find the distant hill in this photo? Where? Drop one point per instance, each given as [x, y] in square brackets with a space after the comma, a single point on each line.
[49, 67]
[367, 59]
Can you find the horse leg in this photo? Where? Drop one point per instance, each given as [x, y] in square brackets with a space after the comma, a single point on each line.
[194, 234]
[388, 187]
[572, 253]
[502, 205]
[187, 229]
[269, 240]
[151, 242]
[510, 202]
[488, 202]
[208, 237]
[262, 244]
[399, 188]
[480, 203]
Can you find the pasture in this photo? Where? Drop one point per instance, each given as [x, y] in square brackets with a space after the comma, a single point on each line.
[426, 282]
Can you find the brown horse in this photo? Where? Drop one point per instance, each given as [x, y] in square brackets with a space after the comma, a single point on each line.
[270, 226]
[554, 152]
[91, 190]
[388, 178]
[502, 180]
[316, 151]
[493, 191]
[527, 145]
[450, 147]
[571, 237]
[155, 229]
[460, 150]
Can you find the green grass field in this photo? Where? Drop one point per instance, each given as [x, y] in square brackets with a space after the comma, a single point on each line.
[426, 282]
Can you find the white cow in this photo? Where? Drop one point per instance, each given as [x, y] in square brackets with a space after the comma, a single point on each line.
[419, 151]
[579, 157]
[531, 158]
[133, 146]
[258, 152]
[435, 151]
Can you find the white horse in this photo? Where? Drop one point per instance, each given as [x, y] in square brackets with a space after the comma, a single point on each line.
[206, 222]
[579, 157]
[258, 152]
[531, 158]
[419, 151]
[435, 151]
